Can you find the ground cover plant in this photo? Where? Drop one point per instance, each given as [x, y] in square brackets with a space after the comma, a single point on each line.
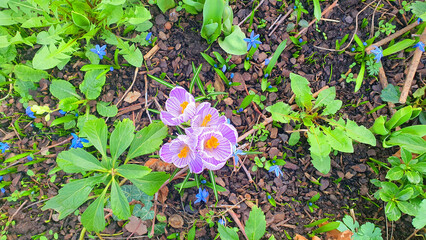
[124, 119]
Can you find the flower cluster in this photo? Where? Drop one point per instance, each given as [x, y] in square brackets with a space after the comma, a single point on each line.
[208, 143]
[4, 147]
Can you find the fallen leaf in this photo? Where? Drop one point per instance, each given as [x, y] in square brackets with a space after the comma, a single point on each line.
[218, 85]
[176, 221]
[158, 165]
[299, 237]
[162, 194]
[337, 235]
[132, 97]
[136, 225]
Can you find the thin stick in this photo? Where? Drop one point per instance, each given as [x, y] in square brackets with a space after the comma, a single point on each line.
[235, 217]
[254, 10]
[372, 19]
[146, 107]
[384, 82]
[14, 214]
[281, 21]
[328, 9]
[151, 52]
[128, 90]
[155, 213]
[412, 71]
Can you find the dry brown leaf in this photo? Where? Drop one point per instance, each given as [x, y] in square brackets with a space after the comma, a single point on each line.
[218, 85]
[337, 235]
[162, 194]
[316, 238]
[158, 165]
[136, 225]
[132, 97]
[299, 237]
[176, 221]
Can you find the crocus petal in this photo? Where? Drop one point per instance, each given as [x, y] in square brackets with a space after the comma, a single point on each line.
[229, 132]
[196, 166]
[213, 164]
[222, 151]
[168, 119]
[181, 94]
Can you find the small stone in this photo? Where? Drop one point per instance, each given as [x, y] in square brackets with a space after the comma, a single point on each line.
[274, 152]
[274, 133]
[178, 46]
[293, 60]
[160, 20]
[333, 198]
[168, 26]
[371, 152]
[228, 101]
[360, 167]
[262, 57]
[324, 184]
[349, 175]
[162, 36]
[273, 96]
[349, 19]
[176, 221]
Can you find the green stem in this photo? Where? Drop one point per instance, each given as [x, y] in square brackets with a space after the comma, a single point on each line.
[197, 180]
[82, 234]
[185, 180]
[214, 185]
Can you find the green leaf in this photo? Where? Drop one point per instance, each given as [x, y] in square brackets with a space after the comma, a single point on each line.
[227, 233]
[412, 143]
[332, 107]
[392, 211]
[280, 112]
[105, 110]
[379, 126]
[6, 18]
[132, 54]
[275, 57]
[132, 171]
[119, 204]
[401, 116]
[92, 84]
[89, 67]
[139, 15]
[390, 94]
[51, 56]
[368, 231]
[395, 173]
[246, 101]
[77, 160]
[121, 138]
[256, 224]
[165, 5]
[326, 228]
[300, 87]
[407, 208]
[97, 134]
[420, 167]
[405, 194]
[317, 10]
[325, 97]
[294, 138]
[151, 182]
[390, 188]
[133, 193]
[320, 150]
[212, 19]
[62, 89]
[68, 104]
[360, 133]
[349, 224]
[413, 177]
[80, 20]
[61, 120]
[416, 130]
[93, 219]
[338, 139]
[399, 46]
[420, 220]
[147, 140]
[234, 43]
[360, 77]
[26, 73]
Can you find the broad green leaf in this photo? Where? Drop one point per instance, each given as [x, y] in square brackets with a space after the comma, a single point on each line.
[420, 220]
[395, 173]
[368, 231]
[227, 233]
[212, 20]
[61, 120]
[92, 84]
[390, 188]
[392, 211]
[71, 196]
[280, 112]
[105, 110]
[338, 140]
[26, 73]
[326, 228]
[62, 89]
[405, 194]
[132, 171]
[317, 10]
[147, 140]
[413, 177]
[399, 46]
[234, 43]
[51, 56]
[50, 36]
[294, 138]
[379, 126]
[349, 224]
[119, 204]
[151, 182]
[300, 87]
[132, 54]
[133, 193]
[416, 130]
[165, 5]
[68, 104]
[89, 67]
[139, 15]
[360, 77]
[246, 101]
[412, 143]
[114, 2]
[93, 219]
[6, 18]
[420, 167]
[401, 116]
[360, 133]
[256, 224]
[275, 57]
[77, 160]
[325, 97]
[406, 156]
[406, 208]
[23, 88]
[80, 20]
[320, 150]
[121, 138]
[390, 94]
[97, 134]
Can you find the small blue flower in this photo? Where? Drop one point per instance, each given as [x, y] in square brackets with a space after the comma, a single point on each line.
[421, 46]
[276, 169]
[221, 221]
[247, 58]
[1, 178]
[111, 68]
[29, 112]
[300, 40]
[148, 37]
[353, 49]
[4, 147]
[203, 181]
[76, 115]
[228, 121]
[215, 65]
[378, 53]
[224, 68]
[229, 83]
[364, 43]
[294, 7]
[77, 142]
[201, 196]
[266, 75]
[236, 153]
[252, 41]
[269, 196]
[267, 61]
[99, 50]
[270, 86]
[232, 75]
[2, 190]
[273, 161]
[240, 110]
[62, 112]
[310, 203]
[419, 20]
[29, 158]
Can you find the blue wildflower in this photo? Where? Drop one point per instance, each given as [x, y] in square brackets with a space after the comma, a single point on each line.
[228, 121]
[62, 112]
[203, 181]
[29, 158]
[247, 58]
[378, 53]
[269, 197]
[310, 203]
[224, 68]
[267, 61]
[353, 49]
[240, 110]
[2, 189]
[99, 50]
[236, 153]
[232, 75]
[295, 7]
[111, 68]
[29, 112]
[276, 169]
[221, 221]
[364, 43]
[148, 37]
[266, 75]
[421, 46]
[4, 147]
[76, 115]
[229, 83]
[273, 161]
[300, 40]
[201, 196]
[270, 86]
[1, 178]
[215, 65]
[252, 41]
[419, 20]
[77, 142]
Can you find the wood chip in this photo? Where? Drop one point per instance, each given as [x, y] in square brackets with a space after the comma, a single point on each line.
[132, 97]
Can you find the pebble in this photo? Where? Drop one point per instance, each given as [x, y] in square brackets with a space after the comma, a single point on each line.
[168, 26]
[178, 46]
[160, 20]
[333, 198]
[162, 36]
[360, 167]
[371, 152]
[262, 57]
[324, 184]
[293, 60]
[274, 152]
[349, 19]
[274, 133]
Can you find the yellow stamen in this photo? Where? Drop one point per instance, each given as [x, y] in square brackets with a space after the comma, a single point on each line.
[212, 142]
[184, 152]
[184, 105]
[206, 120]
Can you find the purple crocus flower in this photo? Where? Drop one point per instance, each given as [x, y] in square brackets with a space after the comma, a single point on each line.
[206, 116]
[180, 107]
[214, 149]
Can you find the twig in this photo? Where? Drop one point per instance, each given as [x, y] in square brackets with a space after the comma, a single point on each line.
[151, 52]
[13, 215]
[155, 213]
[235, 217]
[253, 12]
[384, 83]
[146, 100]
[324, 12]
[412, 70]
[128, 90]
[413, 234]
[372, 19]
[280, 21]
